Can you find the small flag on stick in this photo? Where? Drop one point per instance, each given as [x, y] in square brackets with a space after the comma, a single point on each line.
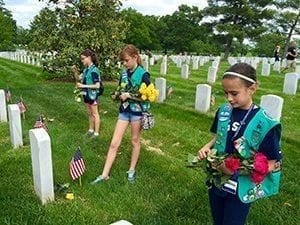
[77, 166]
[40, 123]
[22, 107]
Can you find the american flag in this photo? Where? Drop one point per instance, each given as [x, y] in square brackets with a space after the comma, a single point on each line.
[40, 123]
[21, 106]
[8, 95]
[77, 166]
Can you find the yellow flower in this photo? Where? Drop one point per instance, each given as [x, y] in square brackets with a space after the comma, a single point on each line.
[144, 97]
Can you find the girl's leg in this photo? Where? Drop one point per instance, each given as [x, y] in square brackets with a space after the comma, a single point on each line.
[216, 201]
[95, 117]
[235, 211]
[89, 112]
[136, 143]
[120, 129]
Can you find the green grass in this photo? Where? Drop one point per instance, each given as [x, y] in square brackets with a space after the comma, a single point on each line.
[166, 192]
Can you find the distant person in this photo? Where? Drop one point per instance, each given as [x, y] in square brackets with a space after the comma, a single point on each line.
[291, 57]
[276, 53]
[130, 112]
[241, 127]
[90, 89]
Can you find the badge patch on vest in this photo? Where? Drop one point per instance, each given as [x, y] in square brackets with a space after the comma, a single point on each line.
[239, 145]
[254, 193]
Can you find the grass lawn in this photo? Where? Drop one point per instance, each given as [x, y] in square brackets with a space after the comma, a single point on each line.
[166, 192]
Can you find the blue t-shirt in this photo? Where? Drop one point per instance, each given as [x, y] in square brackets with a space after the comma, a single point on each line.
[269, 146]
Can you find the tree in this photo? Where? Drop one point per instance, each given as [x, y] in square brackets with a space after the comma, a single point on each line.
[265, 44]
[8, 28]
[66, 29]
[238, 19]
[288, 19]
[182, 28]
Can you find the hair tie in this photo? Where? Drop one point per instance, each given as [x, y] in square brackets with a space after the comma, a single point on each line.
[240, 76]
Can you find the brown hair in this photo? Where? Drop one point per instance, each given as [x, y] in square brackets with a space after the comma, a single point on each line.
[244, 69]
[88, 52]
[132, 51]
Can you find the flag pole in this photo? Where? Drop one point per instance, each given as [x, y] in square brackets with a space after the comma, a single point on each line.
[80, 181]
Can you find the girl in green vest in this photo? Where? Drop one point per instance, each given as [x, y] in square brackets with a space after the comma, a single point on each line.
[239, 127]
[90, 88]
[130, 112]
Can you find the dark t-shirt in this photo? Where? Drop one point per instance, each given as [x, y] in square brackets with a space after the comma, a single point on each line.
[293, 51]
[269, 146]
[146, 80]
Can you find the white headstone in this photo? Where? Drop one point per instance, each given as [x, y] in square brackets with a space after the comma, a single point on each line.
[290, 83]
[265, 70]
[195, 63]
[146, 64]
[15, 127]
[212, 75]
[163, 68]
[161, 85]
[273, 105]
[185, 71]
[40, 146]
[203, 96]
[121, 222]
[3, 112]
[151, 61]
[276, 66]
[298, 68]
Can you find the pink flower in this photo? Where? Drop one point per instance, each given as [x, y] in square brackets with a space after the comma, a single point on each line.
[232, 163]
[257, 177]
[260, 164]
[260, 168]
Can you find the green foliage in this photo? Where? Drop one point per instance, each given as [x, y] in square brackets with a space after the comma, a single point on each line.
[238, 19]
[266, 44]
[8, 29]
[62, 33]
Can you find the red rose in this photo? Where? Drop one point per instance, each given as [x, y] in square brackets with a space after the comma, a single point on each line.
[257, 177]
[260, 164]
[232, 163]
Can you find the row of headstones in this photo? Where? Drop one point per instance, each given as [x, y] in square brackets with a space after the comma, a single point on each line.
[23, 57]
[272, 103]
[40, 146]
[41, 153]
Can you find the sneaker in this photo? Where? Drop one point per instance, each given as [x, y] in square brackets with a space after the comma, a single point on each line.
[131, 176]
[94, 136]
[99, 179]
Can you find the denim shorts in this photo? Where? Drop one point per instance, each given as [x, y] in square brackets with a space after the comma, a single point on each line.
[128, 116]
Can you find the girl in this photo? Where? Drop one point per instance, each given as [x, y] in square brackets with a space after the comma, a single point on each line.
[90, 88]
[130, 112]
[240, 126]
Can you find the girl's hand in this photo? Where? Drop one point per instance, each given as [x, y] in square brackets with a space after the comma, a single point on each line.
[222, 168]
[203, 152]
[124, 96]
[79, 85]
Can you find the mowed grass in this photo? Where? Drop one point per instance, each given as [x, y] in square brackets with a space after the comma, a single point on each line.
[166, 192]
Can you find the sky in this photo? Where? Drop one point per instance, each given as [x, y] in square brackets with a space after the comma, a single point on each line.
[23, 11]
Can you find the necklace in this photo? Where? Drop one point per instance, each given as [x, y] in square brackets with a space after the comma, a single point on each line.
[242, 122]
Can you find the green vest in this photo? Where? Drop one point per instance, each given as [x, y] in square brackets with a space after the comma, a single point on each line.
[135, 81]
[253, 135]
[87, 73]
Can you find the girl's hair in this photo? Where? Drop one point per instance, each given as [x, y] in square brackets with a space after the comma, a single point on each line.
[88, 52]
[132, 51]
[243, 69]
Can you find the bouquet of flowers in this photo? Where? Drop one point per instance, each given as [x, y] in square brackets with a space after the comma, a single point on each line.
[256, 166]
[144, 93]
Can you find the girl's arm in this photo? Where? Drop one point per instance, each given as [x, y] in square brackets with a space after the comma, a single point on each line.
[203, 152]
[91, 86]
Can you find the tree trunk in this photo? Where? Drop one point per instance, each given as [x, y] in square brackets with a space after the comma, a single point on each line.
[287, 41]
[228, 46]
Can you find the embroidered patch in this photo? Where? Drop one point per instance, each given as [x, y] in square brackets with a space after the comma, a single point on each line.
[254, 193]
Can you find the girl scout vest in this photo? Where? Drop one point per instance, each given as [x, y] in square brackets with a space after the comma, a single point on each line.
[87, 73]
[135, 82]
[252, 137]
